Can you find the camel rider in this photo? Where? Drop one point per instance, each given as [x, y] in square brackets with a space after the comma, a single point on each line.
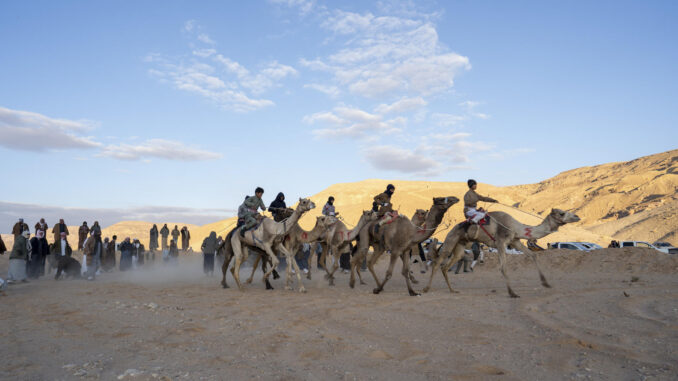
[382, 205]
[248, 210]
[471, 198]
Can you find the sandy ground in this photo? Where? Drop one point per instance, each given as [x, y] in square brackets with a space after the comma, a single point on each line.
[175, 323]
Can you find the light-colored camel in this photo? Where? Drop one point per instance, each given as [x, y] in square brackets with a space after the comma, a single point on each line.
[338, 242]
[397, 237]
[225, 254]
[298, 236]
[501, 231]
[267, 234]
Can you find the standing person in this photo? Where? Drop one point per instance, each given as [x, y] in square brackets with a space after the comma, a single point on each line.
[173, 252]
[39, 251]
[471, 198]
[277, 207]
[176, 234]
[139, 252]
[18, 258]
[41, 225]
[209, 249]
[3, 248]
[164, 232]
[60, 248]
[126, 250]
[248, 210]
[60, 228]
[153, 242]
[19, 227]
[92, 253]
[95, 226]
[108, 259]
[328, 209]
[185, 238]
[83, 232]
[475, 248]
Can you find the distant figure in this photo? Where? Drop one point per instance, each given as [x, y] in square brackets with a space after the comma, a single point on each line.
[173, 252]
[3, 248]
[139, 252]
[613, 244]
[153, 241]
[60, 228]
[95, 227]
[185, 238]
[108, 260]
[19, 257]
[209, 249]
[60, 248]
[39, 252]
[92, 253]
[41, 225]
[164, 232]
[176, 234]
[477, 253]
[83, 231]
[19, 227]
[471, 198]
[302, 257]
[126, 250]
[278, 207]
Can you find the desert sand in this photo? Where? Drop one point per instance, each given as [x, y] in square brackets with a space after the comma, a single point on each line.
[611, 314]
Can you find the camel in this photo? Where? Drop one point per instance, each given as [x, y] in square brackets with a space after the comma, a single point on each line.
[397, 237]
[266, 235]
[298, 236]
[501, 230]
[225, 252]
[338, 242]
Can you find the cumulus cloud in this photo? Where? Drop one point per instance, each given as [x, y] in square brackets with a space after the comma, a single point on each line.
[32, 213]
[332, 91]
[30, 131]
[221, 79]
[157, 148]
[352, 123]
[401, 160]
[402, 105]
[304, 6]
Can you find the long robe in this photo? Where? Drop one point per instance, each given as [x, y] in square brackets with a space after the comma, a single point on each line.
[153, 241]
[164, 233]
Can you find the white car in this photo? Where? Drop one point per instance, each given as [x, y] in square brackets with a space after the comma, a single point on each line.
[647, 245]
[670, 249]
[570, 246]
[591, 245]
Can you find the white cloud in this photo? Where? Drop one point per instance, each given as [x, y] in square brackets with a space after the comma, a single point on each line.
[332, 91]
[304, 6]
[402, 105]
[447, 120]
[30, 131]
[204, 37]
[352, 123]
[401, 160]
[159, 148]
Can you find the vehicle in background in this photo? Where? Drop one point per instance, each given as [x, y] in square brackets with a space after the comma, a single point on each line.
[667, 250]
[591, 245]
[670, 249]
[569, 246]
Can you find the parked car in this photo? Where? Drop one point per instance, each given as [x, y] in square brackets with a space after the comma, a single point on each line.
[667, 250]
[570, 246]
[670, 249]
[591, 245]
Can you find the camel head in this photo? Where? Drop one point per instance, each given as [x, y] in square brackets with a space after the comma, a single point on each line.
[420, 214]
[305, 205]
[326, 221]
[369, 215]
[445, 202]
[563, 217]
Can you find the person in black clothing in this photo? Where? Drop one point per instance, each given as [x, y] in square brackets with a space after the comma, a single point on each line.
[39, 251]
[126, 249]
[277, 207]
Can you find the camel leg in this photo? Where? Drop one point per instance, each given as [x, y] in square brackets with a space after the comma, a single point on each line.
[389, 273]
[371, 261]
[264, 262]
[254, 268]
[355, 262]
[235, 270]
[405, 256]
[274, 261]
[519, 245]
[224, 270]
[335, 265]
[458, 255]
[501, 248]
[292, 264]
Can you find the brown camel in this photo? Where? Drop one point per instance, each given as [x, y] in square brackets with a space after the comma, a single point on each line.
[266, 235]
[225, 253]
[397, 237]
[502, 230]
[298, 236]
[338, 241]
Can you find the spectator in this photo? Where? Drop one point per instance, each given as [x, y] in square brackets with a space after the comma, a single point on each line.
[209, 249]
[42, 225]
[92, 253]
[126, 250]
[108, 259]
[164, 232]
[475, 248]
[60, 248]
[3, 248]
[176, 234]
[60, 228]
[173, 252]
[139, 252]
[39, 252]
[19, 227]
[153, 241]
[302, 257]
[185, 238]
[18, 258]
[83, 232]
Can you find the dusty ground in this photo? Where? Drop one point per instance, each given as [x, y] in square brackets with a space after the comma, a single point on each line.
[174, 323]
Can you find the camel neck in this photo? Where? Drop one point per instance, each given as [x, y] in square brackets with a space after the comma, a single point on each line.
[311, 236]
[546, 227]
[433, 219]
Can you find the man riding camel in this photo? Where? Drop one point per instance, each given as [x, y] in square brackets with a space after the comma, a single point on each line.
[471, 198]
[248, 210]
[382, 205]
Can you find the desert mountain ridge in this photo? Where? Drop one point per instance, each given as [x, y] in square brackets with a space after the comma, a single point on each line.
[636, 199]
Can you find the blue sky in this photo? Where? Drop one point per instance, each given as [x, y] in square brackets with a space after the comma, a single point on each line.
[176, 110]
